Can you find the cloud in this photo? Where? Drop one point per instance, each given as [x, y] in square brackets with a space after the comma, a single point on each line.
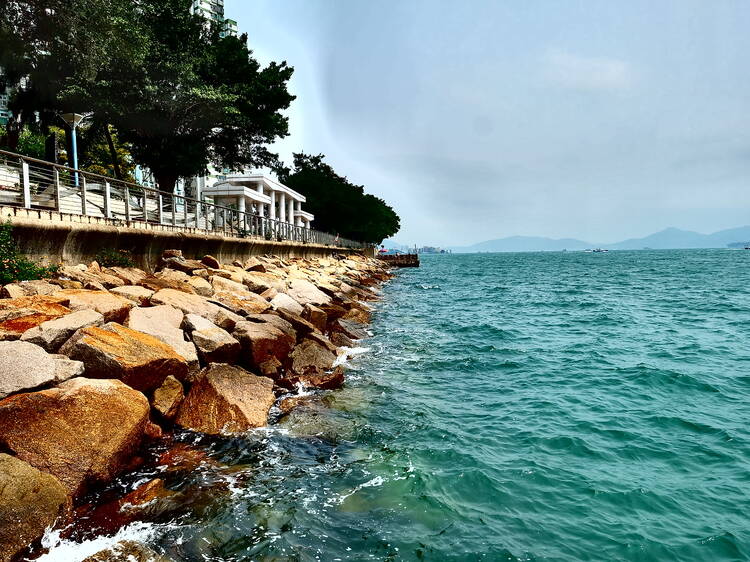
[588, 73]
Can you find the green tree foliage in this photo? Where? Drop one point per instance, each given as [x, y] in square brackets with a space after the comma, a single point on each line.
[338, 205]
[197, 98]
[98, 156]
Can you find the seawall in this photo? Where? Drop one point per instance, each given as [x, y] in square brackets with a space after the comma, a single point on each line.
[49, 237]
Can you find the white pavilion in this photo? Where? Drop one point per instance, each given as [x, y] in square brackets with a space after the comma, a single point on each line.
[261, 195]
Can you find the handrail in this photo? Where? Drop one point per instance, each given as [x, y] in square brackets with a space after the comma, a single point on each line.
[74, 191]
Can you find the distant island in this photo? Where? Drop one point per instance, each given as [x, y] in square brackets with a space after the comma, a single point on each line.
[667, 239]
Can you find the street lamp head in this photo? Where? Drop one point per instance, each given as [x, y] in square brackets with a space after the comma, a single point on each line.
[72, 119]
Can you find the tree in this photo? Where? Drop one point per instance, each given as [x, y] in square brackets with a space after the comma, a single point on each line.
[51, 49]
[196, 98]
[338, 205]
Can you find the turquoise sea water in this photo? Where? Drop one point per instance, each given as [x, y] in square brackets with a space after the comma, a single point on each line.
[540, 406]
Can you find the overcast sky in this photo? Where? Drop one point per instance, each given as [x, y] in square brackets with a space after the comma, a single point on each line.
[483, 119]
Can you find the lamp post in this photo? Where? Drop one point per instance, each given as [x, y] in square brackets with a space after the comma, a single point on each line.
[73, 120]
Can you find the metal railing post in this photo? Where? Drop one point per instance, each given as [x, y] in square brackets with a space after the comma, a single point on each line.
[26, 184]
[197, 214]
[160, 211]
[56, 179]
[84, 203]
[174, 210]
[107, 200]
[185, 211]
[216, 218]
[127, 203]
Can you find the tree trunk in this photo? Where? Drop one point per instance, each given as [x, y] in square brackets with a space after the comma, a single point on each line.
[13, 133]
[166, 180]
[112, 152]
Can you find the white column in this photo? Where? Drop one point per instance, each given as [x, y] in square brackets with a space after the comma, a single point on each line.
[282, 207]
[290, 215]
[241, 203]
[259, 207]
[307, 223]
[273, 205]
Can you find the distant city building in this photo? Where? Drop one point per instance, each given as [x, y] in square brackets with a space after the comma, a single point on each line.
[4, 98]
[213, 11]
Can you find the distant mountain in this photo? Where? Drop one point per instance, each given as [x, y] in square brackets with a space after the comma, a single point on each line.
[525, 244]
[669, 238]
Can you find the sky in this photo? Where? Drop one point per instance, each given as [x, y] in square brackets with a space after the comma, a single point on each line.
[482, 119]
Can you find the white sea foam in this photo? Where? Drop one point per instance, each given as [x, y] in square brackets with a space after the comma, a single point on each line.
[61, 550]
[347, 353]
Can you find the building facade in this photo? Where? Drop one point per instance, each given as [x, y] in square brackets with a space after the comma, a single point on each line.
[213, 11]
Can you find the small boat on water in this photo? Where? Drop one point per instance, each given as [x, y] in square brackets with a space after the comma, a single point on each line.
[599, 250]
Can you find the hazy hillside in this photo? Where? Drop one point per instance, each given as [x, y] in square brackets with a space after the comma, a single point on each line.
[669, 238]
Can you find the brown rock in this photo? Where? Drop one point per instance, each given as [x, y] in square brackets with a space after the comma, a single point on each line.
[126, 551]
[258, 282]
[114, 351]
[311, 357]
[168, 397]
[250, 303]
[305, 292]
[171, 254]
[201, 286]
[275, 320]
[340, 340]
[136, 293]
[315, 316]
[67, 283]
[254, 264]
[320, 339]
[211, 261]
[270, 368]
[214, 344]
[324, 380]
[28, 289]
[226, 398]
[114, 308]
[30, 502]
[300, 325]
[83, 432]
[156, 284]
[194, 304]
[181, 264]
[164, 323]
[283, 301]
[129, 275]
[350, 329]
[261, 341]
[51, 334]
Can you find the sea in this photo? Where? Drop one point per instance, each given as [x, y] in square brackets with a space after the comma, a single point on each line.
[516, 406]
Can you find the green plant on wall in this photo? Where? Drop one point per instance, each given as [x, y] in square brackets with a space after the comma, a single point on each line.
[109, 257]
[14, 266]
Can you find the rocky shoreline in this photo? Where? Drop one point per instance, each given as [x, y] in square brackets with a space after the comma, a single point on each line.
[100, 362]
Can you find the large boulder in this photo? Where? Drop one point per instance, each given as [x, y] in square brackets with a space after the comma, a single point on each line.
[168, 397]
[258, 282]
[311, 357]
[114, 308]
[164, 323]
[316, 316]
[129, 275]
[282, 301]
[254, 264]
[53, 333]
[135, 293]
[201, 286]
[83, 432]
[114, 351]
[350, 328]
[242, 304]
[225, 398]
[30, 502]
[305, 292]
[126, 551]
[300, 325]
[28, 289]
[21, 314]
[25, 366]
[194, 304]
[261, 341]
[215, 345]
[181, 264]
[167, 282]
[210, 261]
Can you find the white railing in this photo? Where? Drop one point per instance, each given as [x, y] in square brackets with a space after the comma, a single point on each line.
[36, 184]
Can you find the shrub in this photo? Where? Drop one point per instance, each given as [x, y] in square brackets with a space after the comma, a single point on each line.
[109, 257]
[14, 266]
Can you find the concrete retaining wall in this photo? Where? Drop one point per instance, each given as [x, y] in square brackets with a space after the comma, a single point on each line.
[49, 237]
